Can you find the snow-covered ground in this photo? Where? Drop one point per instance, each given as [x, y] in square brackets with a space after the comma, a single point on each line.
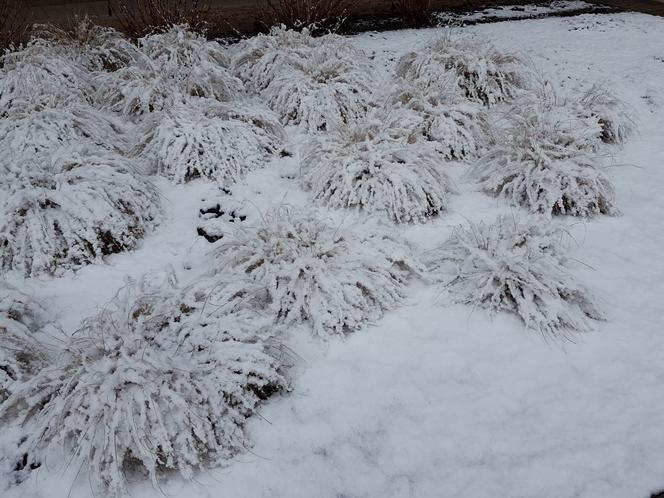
[439, 400]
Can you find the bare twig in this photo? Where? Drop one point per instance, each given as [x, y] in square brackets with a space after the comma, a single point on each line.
[140, 17]
[13, 24]
[319, 16]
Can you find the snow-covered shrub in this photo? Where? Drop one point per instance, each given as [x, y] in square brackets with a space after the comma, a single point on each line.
[546, 161]
[27, 131]
[610, 112]
[379, 166]
[145, 386]
[481, 71]
[97, 48]
[515, 266]
[261, 59]
[206, 138]
[312, 270]
[70, 206]
[312, 82]
[58, 67]
[23, 348]
[172, 67]
[455, 127]
[41, 75]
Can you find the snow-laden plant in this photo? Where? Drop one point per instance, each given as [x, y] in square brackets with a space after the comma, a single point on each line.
[516, 266]
[145, 386]
[70, 206]
[311, 82]
[379, 166]
[611, 114]
[206, 138]
[171, 67]
[261, 59]
[546, 161]
[25, 345]
[484, 73]
[454, 126]
[310, 270]
[27, 130]
[98, 48]
[41, 75]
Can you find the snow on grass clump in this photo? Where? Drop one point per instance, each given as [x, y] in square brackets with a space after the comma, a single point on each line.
[40, 75]
[311, 82]
[24, 348]
[518, 267]
[547, 160]
[484, 74]
[170, 68]
[70, 207]
[97, 48]
[205, 138]
[27, 131]
[58, 67]
[145, 387]
[611, 114]
[310, 270]
[379, 166]
[455, 127]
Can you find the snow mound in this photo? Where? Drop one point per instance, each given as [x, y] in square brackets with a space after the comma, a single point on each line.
[169, 68]
[311, 82]
[547, 160]
[377, 167]
[216, 220]
[71, 206]
[455, 127]
[485, 74]
[142, 387]
[310, 270]
[206, 138]
[515, 266]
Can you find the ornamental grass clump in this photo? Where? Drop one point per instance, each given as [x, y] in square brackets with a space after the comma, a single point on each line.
[380, 166]
[306, 269]
[71, 207]
[549, 160]
[482, 72]
[515, 266]
[311, 82]
[145, 386]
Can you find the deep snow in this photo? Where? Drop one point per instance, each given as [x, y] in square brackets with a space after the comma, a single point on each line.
[438, 400]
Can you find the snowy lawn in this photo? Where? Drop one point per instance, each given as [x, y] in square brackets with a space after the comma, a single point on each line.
[435, 399]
